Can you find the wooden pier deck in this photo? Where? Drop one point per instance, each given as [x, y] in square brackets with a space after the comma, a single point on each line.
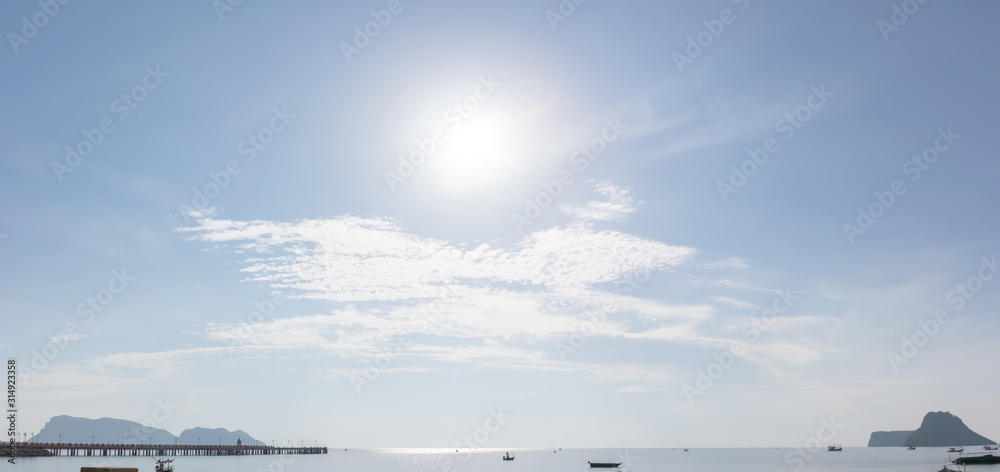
[74, 449]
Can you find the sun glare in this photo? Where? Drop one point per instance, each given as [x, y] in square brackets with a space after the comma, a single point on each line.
[479, 153]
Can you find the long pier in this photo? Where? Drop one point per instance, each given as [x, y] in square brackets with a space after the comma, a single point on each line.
[75, 449]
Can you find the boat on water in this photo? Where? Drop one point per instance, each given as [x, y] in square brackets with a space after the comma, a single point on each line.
[508, 457]
[978, 459]
[946, 469]
[164, 465]
[835, 447]
[604, 465]
[912, 448]
[990, 447]
[956, 449]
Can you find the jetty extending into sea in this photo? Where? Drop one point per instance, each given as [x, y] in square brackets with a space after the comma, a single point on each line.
[74, 449]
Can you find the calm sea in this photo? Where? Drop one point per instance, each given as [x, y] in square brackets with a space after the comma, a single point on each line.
[537, 460]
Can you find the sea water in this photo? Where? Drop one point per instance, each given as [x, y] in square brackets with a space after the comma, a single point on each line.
[860, 459]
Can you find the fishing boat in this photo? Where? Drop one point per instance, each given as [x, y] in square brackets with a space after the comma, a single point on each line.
[978, 459]
[956, 449]
[508, 457]
[835, 447]
[604, 465]
[164, 465]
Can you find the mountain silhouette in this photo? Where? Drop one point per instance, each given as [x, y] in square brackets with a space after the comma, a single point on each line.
[70, 429]
[941, 429]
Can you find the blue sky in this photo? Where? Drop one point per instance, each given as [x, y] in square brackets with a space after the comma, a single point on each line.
[235, 157]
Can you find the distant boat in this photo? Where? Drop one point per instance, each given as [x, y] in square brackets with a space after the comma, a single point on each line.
[164, 465]
[508, 457]
[835, 447]
[956, 449]
[913, 448]
[990, 448]
[604, 465]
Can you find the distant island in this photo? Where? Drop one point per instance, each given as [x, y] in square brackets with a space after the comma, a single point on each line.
[888, 438]
[70, 429]
[938, 429]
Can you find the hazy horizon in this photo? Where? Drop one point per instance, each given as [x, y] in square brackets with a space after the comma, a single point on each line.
[400, 224]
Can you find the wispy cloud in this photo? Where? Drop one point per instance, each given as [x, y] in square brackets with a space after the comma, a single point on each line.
[619, 203]
[483, 305]
[69, 337]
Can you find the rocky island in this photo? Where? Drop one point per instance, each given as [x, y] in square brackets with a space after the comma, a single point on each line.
[938, 429]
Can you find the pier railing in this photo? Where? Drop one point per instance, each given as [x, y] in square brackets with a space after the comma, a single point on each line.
[77, 449]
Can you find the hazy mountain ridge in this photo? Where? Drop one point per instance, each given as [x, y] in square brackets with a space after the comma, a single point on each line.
[70, 429]
[888, 438]
[944, 429]
[938, 429]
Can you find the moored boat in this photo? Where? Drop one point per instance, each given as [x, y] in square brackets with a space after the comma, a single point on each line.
[978, 459]
[164, 465]
[604, 465]
[956, 449]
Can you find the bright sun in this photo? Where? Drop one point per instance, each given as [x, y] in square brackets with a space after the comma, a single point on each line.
[476, 154]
